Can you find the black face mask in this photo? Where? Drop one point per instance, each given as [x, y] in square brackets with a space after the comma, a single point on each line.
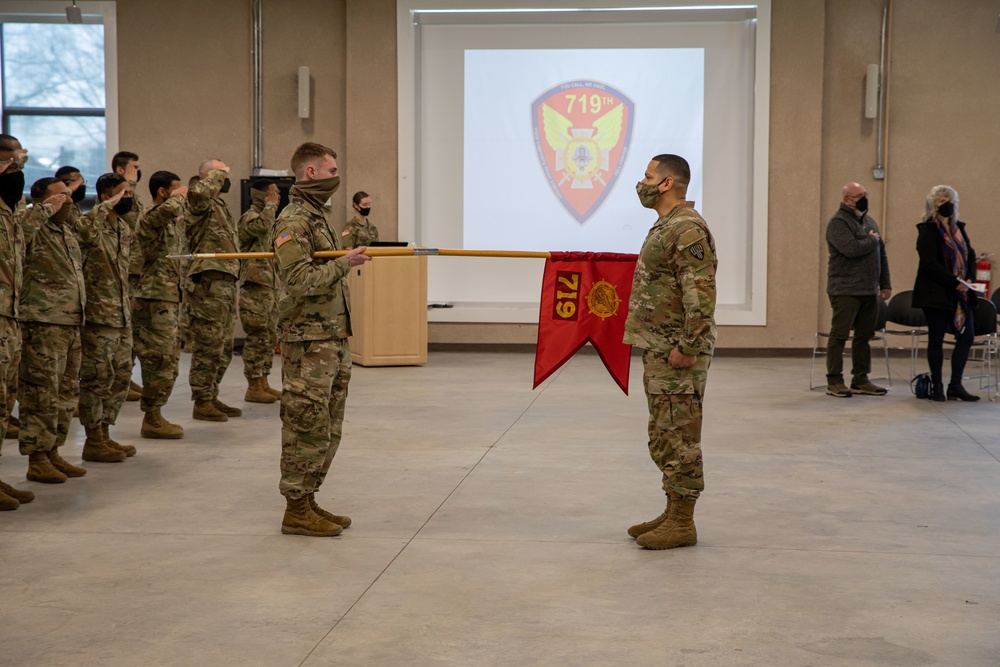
[80, 193]
[225, 186]
[365, 211]
[123, 206]
[862, 204]
[946, 210]
[12, 188]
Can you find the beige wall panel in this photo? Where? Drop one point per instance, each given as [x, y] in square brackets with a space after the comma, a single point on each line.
[184, 86]
[371, 157]
[943, 127]
[797, 28]
[850, 141]
[309, 33]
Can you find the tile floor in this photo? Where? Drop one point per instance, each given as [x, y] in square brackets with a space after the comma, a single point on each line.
[489, 529]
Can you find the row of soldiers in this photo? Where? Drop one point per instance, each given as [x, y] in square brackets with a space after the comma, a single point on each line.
[82, 295]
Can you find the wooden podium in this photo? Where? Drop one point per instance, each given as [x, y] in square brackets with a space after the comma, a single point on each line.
[389, 311]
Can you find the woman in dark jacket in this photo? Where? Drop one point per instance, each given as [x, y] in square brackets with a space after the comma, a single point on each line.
[947, 263]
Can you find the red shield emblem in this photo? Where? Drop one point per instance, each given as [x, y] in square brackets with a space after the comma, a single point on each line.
[582, 131]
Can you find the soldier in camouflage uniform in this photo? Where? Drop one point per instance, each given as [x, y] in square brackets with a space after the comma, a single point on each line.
[315, 355]
[211, 290]
[359, 231]
[126, 165]
[11, 280]
[106, 243]
[73, 179]
[50, 308]
[672, 317]
[258, 297]
[18, 157]
[156, 307]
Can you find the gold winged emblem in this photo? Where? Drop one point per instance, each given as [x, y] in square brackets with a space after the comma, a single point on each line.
[582, 153]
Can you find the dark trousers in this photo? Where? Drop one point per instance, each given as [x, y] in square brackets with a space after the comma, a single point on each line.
[860, 314]
[938, 322]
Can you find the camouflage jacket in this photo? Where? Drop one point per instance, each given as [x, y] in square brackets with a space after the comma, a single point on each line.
[54, 291]
[107, 248]
[210, 227]
[132, 220]
[160, 234]
[358, 233]
[673, 292]
[317, 302]
[257, 235]
[11, 258]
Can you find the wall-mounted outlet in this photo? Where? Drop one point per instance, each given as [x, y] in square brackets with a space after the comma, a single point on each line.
[878, 173]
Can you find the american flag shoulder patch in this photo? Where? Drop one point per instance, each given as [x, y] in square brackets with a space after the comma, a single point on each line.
[283, 238]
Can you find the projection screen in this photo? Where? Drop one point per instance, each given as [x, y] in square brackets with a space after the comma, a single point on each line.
[527, 129]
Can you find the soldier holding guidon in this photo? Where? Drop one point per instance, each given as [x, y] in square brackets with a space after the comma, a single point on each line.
[315, 355]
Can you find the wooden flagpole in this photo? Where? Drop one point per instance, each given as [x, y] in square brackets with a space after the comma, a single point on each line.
[374, 252]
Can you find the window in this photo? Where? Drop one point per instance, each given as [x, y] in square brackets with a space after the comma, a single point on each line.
[54, 88]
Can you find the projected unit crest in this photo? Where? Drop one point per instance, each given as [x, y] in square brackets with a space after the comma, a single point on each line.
[582, 131]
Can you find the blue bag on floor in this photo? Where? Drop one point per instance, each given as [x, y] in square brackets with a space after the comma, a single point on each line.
[920, 385]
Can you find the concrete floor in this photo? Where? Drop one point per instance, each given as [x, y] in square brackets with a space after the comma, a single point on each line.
[489, 529]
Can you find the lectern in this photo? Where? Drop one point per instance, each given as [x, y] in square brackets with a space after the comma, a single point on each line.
[389, 311]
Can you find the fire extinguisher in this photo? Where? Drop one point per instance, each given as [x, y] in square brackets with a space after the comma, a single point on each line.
[984, 270]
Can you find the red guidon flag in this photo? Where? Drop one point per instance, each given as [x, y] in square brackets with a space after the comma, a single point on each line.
[584, 298]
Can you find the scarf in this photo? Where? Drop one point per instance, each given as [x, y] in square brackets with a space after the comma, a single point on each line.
[316, 192]
[955, 254]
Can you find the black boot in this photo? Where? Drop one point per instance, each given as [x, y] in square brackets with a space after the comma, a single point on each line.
[937, 392]
[957, 392]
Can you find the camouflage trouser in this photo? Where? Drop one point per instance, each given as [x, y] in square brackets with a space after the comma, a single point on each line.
[259, 316]
[315, 375]
[211, 305]
[674, 397]
[133, 287]
[158, 346]
[48, 384]
[105, 372]
[10, 360]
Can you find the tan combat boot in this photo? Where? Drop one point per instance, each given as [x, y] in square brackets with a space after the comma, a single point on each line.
[269, 389]
[128, 449]
[300, 519]
[23, 497]
[225, 409]
[7, 503]
[256, 392]
[97, 450]
[64, 466]
[134, 392]
[155, 427]
[677, 531]
[207, 412]
[339, 519]
[40, 469]
[13, 429]
[643, 528]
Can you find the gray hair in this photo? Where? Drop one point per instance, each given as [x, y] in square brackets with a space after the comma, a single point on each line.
[930, 207]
